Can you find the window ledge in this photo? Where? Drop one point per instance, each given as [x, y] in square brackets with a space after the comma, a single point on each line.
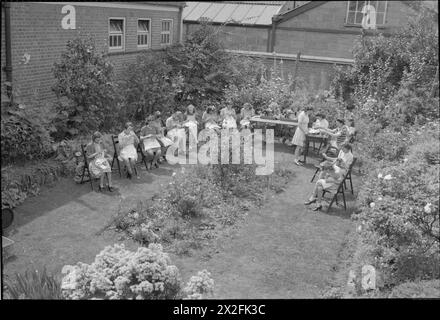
[360, 26]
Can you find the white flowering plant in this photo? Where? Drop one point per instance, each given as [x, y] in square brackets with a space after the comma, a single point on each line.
[118, 273]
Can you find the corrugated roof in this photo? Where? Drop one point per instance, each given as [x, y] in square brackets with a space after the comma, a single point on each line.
[221, 12]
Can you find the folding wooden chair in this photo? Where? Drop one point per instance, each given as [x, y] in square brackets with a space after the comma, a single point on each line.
[143, 157]
[340, 190]
[86, 166]
[348, 176]
[115, 141]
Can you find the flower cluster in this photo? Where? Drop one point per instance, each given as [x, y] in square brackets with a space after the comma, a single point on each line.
[118, 273]
[199, 286]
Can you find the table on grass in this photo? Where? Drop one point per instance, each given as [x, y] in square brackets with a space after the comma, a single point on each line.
[313, 138]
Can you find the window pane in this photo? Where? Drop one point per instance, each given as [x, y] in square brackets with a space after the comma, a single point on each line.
[350, 18]
[352, 6]
[143, 25]
[360, 5]
[119, 41]
[116, 26]
[380, 18]
[359, 16]
[380, 6]
[110, 41]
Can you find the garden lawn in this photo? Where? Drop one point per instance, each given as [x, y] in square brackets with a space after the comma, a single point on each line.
[282, 250]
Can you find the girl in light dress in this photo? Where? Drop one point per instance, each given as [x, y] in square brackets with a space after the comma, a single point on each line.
[175, 131]
[210, 118]
[150, 145]
[300, 134]
[228, 117]
[164, 142]
[99, 165]
[247, 112]
[191, 122]
[128, 141]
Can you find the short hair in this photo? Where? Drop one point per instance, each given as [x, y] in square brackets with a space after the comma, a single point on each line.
[340, 120]
[308, 108]
[128, 124]
[96, 135]
[347, 146]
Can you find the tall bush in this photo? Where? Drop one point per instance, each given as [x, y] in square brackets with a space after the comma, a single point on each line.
[84, 84]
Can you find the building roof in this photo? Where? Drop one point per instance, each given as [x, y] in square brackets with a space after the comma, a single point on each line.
[241, 13]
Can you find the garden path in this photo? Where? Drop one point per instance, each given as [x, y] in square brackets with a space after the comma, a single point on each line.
[281, 250]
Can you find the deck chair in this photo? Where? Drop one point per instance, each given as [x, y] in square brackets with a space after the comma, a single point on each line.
[115, 141]
[86, 166]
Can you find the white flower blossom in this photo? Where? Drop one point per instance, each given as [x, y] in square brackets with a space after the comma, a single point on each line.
[372, 205]
[427, 208]
[388, 177]
[380, 176]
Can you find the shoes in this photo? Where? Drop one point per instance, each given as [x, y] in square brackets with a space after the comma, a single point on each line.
[100, 188]
[298, 163]
[310, 202]
[156, 165]
[317, 208]
[128, 175]
[110, 189]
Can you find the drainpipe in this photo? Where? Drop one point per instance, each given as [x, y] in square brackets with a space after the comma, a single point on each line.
[180, 24]
[8, 67]
[272, 36]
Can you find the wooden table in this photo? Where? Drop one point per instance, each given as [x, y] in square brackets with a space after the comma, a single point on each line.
[274, 121]
[313, 138]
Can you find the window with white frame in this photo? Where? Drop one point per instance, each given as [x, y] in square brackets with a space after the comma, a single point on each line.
[165, 34]
[116, 34]
[143, 33]
[355, 14]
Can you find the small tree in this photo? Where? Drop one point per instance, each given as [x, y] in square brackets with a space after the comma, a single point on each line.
[84, 79]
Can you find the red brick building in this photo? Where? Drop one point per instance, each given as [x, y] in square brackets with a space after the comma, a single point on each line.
[34, 34]
[323, 32]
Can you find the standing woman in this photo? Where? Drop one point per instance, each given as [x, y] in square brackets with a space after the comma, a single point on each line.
[127, 146]
[150, 145]
[99, 165]
[300, 134]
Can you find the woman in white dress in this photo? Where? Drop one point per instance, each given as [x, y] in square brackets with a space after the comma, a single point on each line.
[300, 134]
[128, 141]
[163, 141]
[99, 161]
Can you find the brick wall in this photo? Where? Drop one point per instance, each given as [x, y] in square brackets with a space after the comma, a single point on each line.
[331, 17]
[3, 54]
[237, 37]
[36, 30]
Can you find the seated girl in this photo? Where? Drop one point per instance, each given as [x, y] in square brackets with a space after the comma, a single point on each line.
[345, 154]
[163, 141]
[228, 117]
[175, 131]
[127, 146]
[99, 165]
[191, 122]
[330, 182]
[150, 146]
[210, 118]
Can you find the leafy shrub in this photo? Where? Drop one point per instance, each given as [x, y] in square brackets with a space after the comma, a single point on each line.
[24, 137]
[399, 209]
[200, 285]
[419, 289]
[20, 182]
[118, 273]
[84, 84]
[33, 284]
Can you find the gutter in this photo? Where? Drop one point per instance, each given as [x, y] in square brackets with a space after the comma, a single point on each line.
[8, 67]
